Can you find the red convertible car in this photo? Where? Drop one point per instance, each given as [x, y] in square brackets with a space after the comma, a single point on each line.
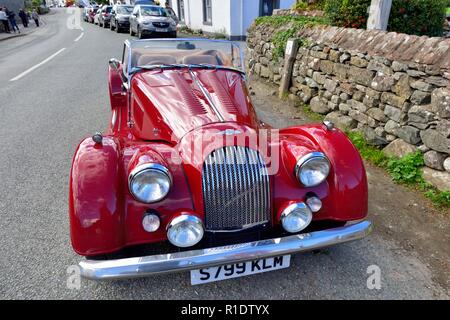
[187, 178]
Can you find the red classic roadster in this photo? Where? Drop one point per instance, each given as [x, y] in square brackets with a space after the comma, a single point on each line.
[187, 178]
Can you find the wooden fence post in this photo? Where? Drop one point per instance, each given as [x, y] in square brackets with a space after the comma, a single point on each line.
[379, 14]
[289, 58]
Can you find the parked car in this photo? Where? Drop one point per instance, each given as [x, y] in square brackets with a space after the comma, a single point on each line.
[151, 20]
[188, 178]
[105, 16]
[97, 15]
[120, 17]
[91, 14]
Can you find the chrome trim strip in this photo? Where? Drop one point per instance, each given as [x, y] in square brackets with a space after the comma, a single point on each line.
[204, 258]
[207, 95]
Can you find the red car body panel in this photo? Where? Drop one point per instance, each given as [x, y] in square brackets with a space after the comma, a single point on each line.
[172, 120]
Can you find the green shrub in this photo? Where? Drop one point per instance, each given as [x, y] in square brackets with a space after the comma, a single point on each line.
[348, 13]
[407, 169]
[419, 17]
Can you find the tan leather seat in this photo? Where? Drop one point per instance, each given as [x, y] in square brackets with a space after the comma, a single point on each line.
[201, 59]
[148, 60]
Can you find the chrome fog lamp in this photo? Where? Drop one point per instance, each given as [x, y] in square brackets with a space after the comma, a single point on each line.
[150, 222]
[185, 231]
[150, 182]
[296, 217]
[314, 203]
[312, 169]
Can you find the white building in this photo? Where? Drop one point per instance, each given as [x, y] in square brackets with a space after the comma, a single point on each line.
[229, 17]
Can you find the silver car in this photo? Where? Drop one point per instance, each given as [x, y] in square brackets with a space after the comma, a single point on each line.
[149, 20]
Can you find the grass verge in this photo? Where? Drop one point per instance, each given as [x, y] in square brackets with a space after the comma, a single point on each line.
[406, 170]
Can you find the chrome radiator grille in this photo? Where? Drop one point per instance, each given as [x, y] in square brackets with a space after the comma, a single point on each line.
[236, 190]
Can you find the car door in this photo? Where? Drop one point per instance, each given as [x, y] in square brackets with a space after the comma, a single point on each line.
[133, 19]
[172, 14]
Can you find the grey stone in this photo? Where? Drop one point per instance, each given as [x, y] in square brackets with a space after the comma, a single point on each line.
[421, 114]
[392, 99]
[357, 105]
[306, 93]
[333, 106]
[358, 116]
[379, 131]
[399, 148]
[344, 96]
[372, 122]
[390, 137]
[420, 97]
[415, 73]
[319, 77]
[344, 108]
[439, 179]
[409, 134]
[440, 99]
[359, 62]
[402, 88]
[392, 127]
[437, 81]
[265, 72]
[379, 67]
[341, 70]
[436, 141]
[372, 138]
[423, 148]
[372, 93]
[326, 66]
[383, 82]
[334, 55]
[393, 113]
[344, 57]
[336, 99]
[434, 159]
[319, 105]
[377, 114]
[330, 85]
[398, 66]
[371, 102]
[340, 121]
[311, 83]
[443, 127]
[358, 95]
[422, 86]
[447, 164]
[362, 76]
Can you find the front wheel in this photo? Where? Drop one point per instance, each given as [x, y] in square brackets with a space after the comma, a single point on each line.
[104, 24]
[173, 34]
[117, 29]
[139, 33]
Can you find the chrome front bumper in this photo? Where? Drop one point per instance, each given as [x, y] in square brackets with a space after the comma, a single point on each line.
[203, 258]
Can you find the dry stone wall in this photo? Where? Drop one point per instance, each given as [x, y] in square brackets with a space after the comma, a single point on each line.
[395, 88]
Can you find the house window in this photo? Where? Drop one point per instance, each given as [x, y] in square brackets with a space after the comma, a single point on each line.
[181, 10]
[207, 12]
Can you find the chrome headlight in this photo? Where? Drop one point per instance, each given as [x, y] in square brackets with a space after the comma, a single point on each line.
[150, 182]
[312, 169]
[296, 217]
[185, 231]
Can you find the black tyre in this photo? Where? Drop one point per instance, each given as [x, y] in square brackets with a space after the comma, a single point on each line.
[117, 29]
[140, 35]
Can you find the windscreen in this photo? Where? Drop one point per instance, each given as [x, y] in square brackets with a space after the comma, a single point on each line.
[153, 12]
[167, 52]
[124, 10]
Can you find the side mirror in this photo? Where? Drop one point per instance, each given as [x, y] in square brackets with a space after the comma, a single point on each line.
[114, 63]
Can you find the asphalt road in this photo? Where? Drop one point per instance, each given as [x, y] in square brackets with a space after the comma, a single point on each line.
[43, 116]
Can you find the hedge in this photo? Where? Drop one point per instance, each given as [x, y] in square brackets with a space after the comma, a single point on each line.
[418, 17]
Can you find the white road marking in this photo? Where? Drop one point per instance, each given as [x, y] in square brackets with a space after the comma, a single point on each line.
[79, 37]
[37, 66]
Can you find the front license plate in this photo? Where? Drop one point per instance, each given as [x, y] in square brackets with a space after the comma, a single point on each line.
[161, 30]
[239, 269]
